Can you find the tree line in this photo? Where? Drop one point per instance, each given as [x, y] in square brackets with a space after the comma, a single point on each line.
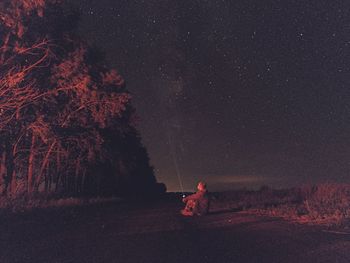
[67, 125]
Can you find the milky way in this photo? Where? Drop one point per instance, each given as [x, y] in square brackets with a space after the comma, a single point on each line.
[233, 92]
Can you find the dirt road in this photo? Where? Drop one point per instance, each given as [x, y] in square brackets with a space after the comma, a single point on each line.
[157, 233]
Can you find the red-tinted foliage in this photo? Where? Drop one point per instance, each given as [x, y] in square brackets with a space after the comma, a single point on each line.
[55, 106]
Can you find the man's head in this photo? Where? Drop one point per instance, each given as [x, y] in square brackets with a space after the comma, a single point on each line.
[202, 186]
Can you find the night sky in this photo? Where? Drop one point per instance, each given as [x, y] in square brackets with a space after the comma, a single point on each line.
[235, 93]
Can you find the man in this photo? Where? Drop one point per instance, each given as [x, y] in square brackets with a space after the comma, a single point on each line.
[198, 203]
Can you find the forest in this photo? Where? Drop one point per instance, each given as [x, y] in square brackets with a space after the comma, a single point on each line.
[67, 124]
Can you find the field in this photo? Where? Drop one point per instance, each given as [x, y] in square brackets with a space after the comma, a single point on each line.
[155, 232]
[323, 204]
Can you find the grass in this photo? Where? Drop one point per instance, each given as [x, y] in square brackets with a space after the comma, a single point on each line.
[24, 204]
[327, 204]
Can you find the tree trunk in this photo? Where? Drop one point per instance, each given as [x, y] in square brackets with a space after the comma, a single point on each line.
[77, 169]
[13, 182]
[3, 171]
[83, 182]
[30, 176]
[58, 171]
[49, 178]
[46, 181]
[9, 169]
[44, 165]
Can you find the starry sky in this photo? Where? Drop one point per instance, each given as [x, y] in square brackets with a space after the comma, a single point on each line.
[236, 93]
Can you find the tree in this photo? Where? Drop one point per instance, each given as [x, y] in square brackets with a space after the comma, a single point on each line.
[59, 106]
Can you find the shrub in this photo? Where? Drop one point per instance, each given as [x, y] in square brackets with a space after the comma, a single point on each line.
[329, 201]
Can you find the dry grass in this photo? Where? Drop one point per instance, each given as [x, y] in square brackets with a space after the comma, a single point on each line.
[327, 204]
[23, 204]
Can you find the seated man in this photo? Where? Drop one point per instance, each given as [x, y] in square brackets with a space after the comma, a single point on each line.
[198, 203]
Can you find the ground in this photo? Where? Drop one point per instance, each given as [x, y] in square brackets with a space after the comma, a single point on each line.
[116, 232]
